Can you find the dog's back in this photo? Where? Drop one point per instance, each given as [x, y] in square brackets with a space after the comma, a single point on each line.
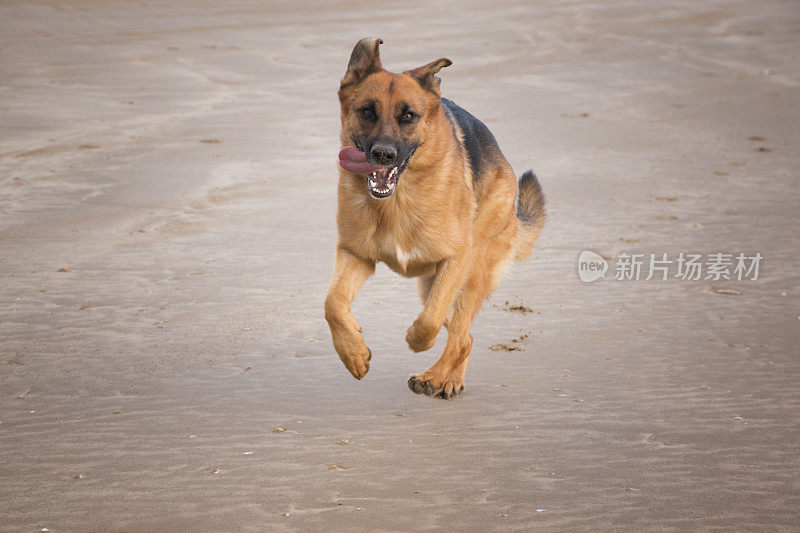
[482, 150]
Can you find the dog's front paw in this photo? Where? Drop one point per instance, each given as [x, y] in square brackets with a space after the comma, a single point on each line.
[431, 385]
[425, 384]
[357, 362]
[421, 336]
[453, 386]
[350, 346]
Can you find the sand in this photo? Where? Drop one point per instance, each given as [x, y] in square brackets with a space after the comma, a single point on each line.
[167, 201]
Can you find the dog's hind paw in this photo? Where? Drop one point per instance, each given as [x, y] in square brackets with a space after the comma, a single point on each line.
[421, 336]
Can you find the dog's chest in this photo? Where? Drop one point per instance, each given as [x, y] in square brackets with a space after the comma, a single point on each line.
[400, 251]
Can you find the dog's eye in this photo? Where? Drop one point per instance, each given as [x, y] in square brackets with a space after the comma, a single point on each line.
[368, 114]
[407, 117]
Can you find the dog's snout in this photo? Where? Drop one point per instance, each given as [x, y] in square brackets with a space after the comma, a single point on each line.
[383, 153]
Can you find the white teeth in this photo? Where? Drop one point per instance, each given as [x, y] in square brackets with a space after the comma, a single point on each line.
[373, 182]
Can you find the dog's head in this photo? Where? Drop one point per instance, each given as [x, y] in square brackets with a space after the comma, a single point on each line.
[384, 115]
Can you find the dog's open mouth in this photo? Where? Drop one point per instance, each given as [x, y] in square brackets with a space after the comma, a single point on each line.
[381, 181]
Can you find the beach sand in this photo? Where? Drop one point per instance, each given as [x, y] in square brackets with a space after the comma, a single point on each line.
[167, 230]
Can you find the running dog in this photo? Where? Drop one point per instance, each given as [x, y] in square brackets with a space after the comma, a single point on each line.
[424, 188]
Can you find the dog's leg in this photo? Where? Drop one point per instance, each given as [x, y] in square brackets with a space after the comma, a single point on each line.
[454, 383]
[448, 278]
[437, 381]
[424, 284]
[349, 275]
[445, 378]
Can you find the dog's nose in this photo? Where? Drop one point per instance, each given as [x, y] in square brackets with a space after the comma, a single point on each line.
[383, 153]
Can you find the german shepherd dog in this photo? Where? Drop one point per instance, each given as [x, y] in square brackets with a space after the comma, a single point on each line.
[424, 188]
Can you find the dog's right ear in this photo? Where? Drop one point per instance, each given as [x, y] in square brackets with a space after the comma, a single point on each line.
[425, 75]
[365, 60]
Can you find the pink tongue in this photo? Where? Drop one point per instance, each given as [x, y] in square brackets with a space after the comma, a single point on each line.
[354, 160]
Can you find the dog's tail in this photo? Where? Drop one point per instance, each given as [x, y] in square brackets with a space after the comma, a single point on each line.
[530, 212]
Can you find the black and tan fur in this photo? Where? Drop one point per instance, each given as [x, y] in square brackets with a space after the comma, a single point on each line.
[452, 221]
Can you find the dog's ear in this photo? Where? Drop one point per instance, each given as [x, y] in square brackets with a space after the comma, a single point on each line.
[425, 74]
[365, 60]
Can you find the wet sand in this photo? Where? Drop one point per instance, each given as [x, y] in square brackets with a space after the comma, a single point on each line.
[167, 202]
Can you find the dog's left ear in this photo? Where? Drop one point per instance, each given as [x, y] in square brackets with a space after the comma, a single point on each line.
[425, 74]
[365, 60]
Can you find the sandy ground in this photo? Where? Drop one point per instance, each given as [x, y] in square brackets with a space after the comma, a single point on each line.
[167, 200]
